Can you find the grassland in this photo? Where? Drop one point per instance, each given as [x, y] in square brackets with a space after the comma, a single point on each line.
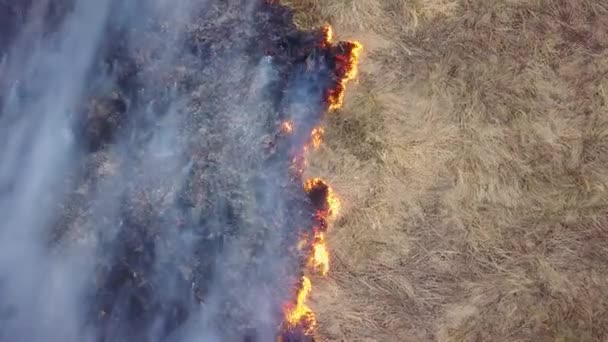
[472, 160]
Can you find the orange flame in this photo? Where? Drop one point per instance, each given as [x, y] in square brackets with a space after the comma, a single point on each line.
[317, 137]
[353, 63]
[347, 69]
[319, 257]
[312, 183]
[334, 203]
[299, 315]
[328, 35]
[328, 202]
[299, 318]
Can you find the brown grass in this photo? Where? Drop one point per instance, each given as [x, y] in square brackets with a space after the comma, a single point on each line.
[472, 158]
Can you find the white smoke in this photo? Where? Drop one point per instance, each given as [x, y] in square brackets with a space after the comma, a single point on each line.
[40, 290]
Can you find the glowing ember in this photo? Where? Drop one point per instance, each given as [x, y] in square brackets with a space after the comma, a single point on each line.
[317, 137]
[299, 315]
[287, 127]
[319, 257]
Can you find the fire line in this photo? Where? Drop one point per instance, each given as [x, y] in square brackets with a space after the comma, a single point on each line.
[299, 317]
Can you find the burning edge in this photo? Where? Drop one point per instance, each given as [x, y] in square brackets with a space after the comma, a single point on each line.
[299, 319]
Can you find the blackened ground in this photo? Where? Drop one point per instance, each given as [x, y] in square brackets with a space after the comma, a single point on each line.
[184, 178]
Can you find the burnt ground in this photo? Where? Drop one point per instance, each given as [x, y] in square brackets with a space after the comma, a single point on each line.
[180, 182]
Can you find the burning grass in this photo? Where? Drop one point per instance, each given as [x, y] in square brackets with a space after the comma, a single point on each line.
[300, 320]
[346, 66]
[319, 255]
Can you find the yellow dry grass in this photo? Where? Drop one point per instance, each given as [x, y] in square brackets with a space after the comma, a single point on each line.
[472, 160]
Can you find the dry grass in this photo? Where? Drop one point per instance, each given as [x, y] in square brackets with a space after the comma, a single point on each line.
[472, 158]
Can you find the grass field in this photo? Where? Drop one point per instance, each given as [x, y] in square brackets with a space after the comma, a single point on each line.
[472, 162]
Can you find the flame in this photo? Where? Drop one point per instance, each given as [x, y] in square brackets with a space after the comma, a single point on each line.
[299, 315]
[299, 319]
[334, 204]
[317, 137]
[287, 127]
[312, 183]
[319, 257]
[323, 196]
[346, 70]
[352, 70]
[328, 35]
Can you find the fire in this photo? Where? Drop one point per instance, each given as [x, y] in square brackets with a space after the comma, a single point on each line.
[287, 127]
[299, 319]
[299, 315]
[328, 34]
[328, 206]
[319, 257]
[346, 70]
[352, 70]
[317, 137]
[323, 197]
[334, 203]
[313, 183]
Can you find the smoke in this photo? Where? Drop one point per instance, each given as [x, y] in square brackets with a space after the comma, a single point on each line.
[41, 290]
[145, 193]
